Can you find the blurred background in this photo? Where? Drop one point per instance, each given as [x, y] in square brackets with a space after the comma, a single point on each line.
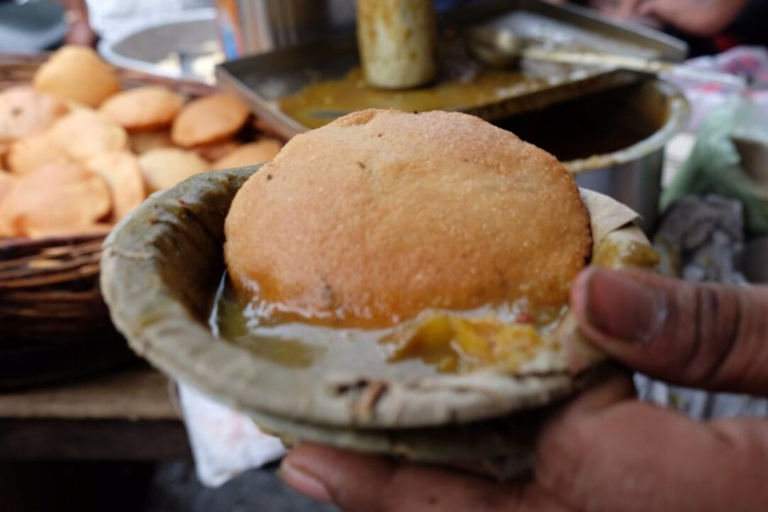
[687, 149]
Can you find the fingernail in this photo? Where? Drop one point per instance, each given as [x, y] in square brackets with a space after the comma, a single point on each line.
[623, 308]
[298, 479]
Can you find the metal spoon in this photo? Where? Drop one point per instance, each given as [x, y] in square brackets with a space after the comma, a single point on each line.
[499, 47]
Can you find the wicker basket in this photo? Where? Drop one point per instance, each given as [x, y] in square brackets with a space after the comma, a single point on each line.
[49, 288]
[20, 69]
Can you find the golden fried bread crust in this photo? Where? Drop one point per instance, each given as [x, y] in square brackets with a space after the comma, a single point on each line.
[31, 153]
[208, 120]
[7, 180]
[83, 134]
[142, 142]
[77, 73]
[57, 199]
[166, 167]
[383, 214]
[24, 111]
[248, 154]
[121, 171]
[144, 108]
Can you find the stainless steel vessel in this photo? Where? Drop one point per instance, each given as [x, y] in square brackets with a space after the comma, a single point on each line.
[256, 26]
[633, 175]
[264, 25]
[183, 45]
[612, 141]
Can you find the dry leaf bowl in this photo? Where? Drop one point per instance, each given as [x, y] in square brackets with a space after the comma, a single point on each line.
[161, 268]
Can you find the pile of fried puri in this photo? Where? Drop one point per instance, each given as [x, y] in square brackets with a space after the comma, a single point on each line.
[77, 153]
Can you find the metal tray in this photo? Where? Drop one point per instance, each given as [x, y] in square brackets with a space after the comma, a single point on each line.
[266, 80]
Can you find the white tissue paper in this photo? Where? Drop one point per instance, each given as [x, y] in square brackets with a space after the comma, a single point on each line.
[225, 443]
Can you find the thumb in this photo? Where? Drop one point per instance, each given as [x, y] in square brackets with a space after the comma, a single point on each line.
[707, 336]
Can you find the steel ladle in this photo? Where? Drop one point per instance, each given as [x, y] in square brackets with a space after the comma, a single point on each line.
[500, 47]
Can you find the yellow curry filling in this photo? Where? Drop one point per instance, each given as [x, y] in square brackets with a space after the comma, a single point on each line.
[502, 338]
[454, 344]
[458, 345]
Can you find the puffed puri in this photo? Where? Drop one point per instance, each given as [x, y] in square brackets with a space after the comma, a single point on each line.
[381, 215]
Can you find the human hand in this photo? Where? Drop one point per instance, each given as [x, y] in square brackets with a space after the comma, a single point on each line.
[696, 17]
[615, 8]
[81, 34]
[605, 452]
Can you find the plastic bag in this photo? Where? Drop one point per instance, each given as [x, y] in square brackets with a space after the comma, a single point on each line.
[715, 165]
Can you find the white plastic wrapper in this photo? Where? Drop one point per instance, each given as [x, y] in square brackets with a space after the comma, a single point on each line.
[225, 443]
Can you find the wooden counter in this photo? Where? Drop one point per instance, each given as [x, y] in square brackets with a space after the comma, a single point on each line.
[127, 415]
